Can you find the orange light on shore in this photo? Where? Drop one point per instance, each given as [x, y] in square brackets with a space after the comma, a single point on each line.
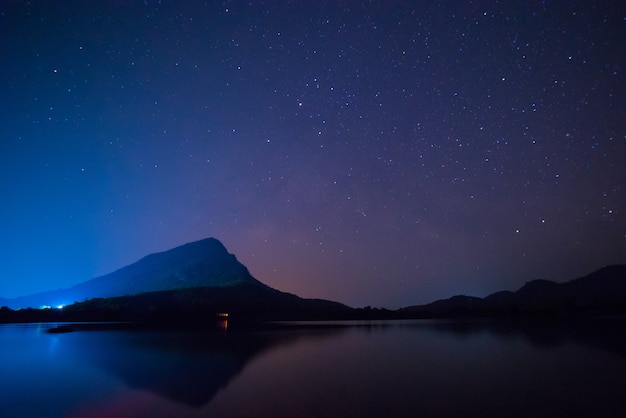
[223, 320]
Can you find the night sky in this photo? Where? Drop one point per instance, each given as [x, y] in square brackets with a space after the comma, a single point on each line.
[380, 154]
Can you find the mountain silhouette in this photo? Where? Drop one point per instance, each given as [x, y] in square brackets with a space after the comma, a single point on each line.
[200, 279]
[204, 263]
[603, 291]
[192, 282]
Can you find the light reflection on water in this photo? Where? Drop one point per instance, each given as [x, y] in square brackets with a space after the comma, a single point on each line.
[402, 368]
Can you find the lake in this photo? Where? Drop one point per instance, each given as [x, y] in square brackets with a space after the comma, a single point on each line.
[349, 369]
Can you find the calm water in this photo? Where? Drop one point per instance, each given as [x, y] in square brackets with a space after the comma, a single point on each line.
[397, 369]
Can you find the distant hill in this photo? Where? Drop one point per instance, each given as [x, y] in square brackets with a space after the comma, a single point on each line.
[603, 291]
[204, 263]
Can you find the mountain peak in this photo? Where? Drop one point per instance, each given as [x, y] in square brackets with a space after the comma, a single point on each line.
[207, 244]
[203, 263]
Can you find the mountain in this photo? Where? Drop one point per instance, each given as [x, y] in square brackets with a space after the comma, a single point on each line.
[603, 291]
[200, 279]
[204, 263]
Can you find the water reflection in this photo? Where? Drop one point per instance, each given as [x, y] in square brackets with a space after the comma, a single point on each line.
[400, 368]
[187, 367]
[543, 333]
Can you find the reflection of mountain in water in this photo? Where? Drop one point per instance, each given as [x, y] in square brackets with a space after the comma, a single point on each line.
[187, 367]
[603, 333]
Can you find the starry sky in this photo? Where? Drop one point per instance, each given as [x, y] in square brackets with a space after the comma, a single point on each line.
[375, 153]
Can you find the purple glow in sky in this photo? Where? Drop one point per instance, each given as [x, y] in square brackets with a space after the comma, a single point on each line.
[373, 153]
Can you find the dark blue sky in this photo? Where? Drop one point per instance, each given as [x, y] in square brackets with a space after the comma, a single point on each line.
[377, 154]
